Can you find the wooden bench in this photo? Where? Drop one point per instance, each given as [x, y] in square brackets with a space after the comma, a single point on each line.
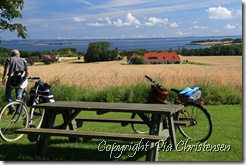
[88, 134]
[124, 122]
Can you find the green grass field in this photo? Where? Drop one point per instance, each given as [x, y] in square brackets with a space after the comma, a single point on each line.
[227, 132]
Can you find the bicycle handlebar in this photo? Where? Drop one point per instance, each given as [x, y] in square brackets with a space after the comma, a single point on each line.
[150, 79]
[153, 81]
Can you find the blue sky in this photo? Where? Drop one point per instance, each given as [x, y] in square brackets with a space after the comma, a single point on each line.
[91, 19]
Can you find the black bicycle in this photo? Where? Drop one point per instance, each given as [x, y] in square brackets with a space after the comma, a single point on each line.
[17, 114]
[193, 121]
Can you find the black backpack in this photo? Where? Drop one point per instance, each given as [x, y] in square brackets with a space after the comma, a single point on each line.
[17, 78]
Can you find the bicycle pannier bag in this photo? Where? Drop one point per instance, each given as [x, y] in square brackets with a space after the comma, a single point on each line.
[157, 94]
[18, 79]
[44, 91]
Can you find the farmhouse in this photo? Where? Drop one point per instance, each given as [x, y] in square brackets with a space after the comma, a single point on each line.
[47, 57]
[161, 57]
[158, 58]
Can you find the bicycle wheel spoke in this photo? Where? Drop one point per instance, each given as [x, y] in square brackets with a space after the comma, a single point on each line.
[37, 115]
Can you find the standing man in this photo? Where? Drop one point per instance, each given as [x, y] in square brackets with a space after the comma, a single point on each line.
[13, 63]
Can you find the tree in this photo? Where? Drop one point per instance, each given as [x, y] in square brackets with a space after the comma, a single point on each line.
[98, 51]
[9, 10]
[138, 60]
[67, 52]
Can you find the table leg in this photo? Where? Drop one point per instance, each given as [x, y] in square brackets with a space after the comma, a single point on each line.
[43, 142]
[155, 129]
[172, 133]
[71, 125]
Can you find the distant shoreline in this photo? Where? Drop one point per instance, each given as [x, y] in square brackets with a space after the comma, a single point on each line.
[210, 43]
[213, 43]
[226, 41]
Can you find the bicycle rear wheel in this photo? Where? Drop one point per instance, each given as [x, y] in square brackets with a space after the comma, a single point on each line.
[13, 115]
[199, 127]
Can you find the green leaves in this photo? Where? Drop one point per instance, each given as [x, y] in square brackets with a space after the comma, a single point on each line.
[9, 10]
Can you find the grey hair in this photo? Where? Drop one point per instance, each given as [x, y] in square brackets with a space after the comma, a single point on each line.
[15, 52]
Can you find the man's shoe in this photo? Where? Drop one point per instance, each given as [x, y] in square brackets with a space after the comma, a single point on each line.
[6, 113]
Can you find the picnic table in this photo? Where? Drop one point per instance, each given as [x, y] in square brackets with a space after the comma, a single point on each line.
[71, 109]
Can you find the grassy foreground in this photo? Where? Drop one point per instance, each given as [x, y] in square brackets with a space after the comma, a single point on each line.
[227, 131]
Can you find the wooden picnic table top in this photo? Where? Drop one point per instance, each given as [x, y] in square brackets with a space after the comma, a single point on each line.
[116, 107]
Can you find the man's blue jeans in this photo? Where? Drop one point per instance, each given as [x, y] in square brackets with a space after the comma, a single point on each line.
[9, 89]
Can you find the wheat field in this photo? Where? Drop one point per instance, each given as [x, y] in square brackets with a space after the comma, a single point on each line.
[219, 70]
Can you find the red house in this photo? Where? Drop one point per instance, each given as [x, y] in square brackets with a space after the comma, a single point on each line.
[47, 57]
[161, 57]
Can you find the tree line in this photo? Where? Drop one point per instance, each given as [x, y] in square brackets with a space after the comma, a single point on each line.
[216, 50]
[99, 51]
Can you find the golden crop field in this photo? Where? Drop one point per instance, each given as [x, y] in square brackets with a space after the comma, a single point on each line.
[219, 70]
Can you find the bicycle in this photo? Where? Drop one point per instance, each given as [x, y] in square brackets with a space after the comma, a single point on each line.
[16, 114]
[194, 120]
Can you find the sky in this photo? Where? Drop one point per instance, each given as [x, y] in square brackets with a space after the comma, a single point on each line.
[110, 19]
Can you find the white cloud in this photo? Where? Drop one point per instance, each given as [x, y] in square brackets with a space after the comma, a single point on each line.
[194, 22]
[200, 27]
[183, 33]
[179, 33]
[119, 22]
[174, 24]
[85, 2]
[108, 20]
[219, 13]
[153, 20]
[238, 13]
[140, 36]
[130, 20]
[228, 26]
[95, 24]
[78, 19]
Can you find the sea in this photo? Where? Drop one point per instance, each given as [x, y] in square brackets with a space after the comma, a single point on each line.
[81, 45]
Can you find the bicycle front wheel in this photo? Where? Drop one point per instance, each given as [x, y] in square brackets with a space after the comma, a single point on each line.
[198, 120]
[13, 115]
[140, 128]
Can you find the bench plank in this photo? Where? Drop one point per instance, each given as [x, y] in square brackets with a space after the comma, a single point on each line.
[124, 122]
[181, 123]
[87, 134]
[109, 120]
